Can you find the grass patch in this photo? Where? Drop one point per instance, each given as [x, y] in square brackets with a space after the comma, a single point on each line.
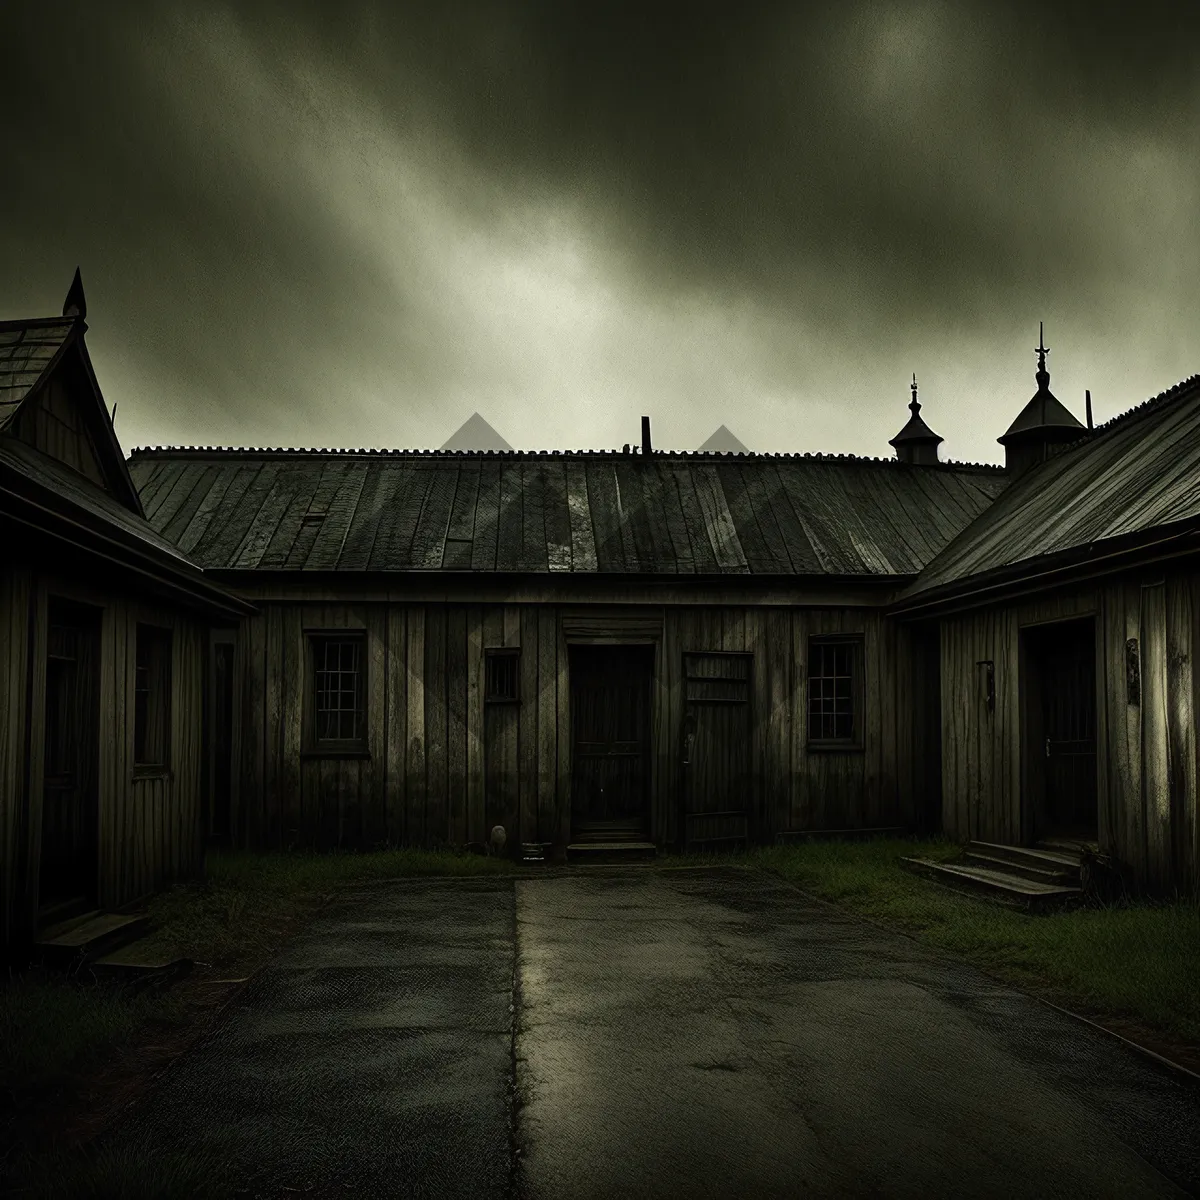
[1136, 960]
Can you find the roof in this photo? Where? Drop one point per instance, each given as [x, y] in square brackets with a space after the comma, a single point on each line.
[916, 430]
[476, 434]
[28, 349]
[1129, 477]
[53, 489]
[596, 511]
[1044, 411]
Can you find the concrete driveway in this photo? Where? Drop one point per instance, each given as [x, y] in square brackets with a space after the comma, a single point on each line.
[649, 1032]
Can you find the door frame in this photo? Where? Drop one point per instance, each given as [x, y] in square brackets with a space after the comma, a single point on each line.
[1030, 681]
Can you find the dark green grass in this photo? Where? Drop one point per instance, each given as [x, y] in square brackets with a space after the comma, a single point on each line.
[1139, 960]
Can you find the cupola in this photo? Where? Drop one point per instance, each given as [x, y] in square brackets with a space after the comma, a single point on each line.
[916, 442]
[1042, 424]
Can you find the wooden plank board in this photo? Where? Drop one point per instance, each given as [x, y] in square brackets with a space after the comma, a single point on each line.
[211, 546]
[583, 541]
[416, 787]
[399, 484]
[438, 829]
[460, 535]
[527, 748]
[701, 548]
[511, 517]
[264, 525]
[456, 740]
[475, 830]
[636, 541]
[547, 744]
[1156, 757]
[429, 543]
[1181, 731]
[757, 554]
[655, 495]
[557, 515]
[722, 533]
[602, 506]
[396, 725]
[363, 526]
[487, 517]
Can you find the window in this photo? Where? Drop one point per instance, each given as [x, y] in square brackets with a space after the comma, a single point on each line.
[834, 703]
[152, 697]
[339, 711]
[500, 676]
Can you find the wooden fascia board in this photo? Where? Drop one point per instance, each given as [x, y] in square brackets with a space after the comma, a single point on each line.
[1064, 569]
[93, 542]
[499, 588]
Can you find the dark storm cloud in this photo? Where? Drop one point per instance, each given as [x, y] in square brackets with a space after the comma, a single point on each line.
[283, 207]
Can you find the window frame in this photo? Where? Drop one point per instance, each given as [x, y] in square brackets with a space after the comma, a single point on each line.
[855, 742]
[353, 747]
[164, 635]
[492, 653]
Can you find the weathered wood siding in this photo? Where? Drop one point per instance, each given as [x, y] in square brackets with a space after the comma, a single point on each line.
[443, 767]
[149, 826]
[1146, 752]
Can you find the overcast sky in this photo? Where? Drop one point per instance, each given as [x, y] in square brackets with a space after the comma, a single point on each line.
[336, 225]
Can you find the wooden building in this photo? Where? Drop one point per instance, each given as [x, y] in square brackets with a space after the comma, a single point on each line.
[1067, 618]
[660, 646]
[104, 627]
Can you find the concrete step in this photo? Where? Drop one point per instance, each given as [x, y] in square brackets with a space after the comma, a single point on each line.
[1000, 886]
[137, 965]
[611, 851]
[85, 939]
[1030, 856]
[1038, 872]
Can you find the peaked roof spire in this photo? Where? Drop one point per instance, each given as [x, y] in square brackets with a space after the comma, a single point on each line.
[75, 305]
[1041, 350]
[916, 442]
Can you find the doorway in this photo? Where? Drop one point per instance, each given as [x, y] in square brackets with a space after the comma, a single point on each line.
[1060, 702]
[610, 735]
[68, 865]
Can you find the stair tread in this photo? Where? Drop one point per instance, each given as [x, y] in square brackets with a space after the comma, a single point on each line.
[999, 879]
[995, 862]
[1061, 858]
[587, 847]
[133, 957]
[90, 929]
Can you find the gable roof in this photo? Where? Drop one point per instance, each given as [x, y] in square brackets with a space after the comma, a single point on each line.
[1136, 474]
[602, 511]
[31, 350]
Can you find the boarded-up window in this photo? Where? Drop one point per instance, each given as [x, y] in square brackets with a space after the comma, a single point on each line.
[339, 690]
[152, 697]
[500, 676]
[835, 692]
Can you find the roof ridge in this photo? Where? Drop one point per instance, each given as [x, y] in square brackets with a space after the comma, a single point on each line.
[1137, 410]
[633, 453]
[37, 322]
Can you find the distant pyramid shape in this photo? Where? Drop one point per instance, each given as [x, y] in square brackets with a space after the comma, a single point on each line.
[476, 434]
[723, 442]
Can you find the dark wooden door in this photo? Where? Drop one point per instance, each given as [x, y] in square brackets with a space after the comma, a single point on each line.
[1068, 728]
[610, 732]
[718, 785]
[71, 759]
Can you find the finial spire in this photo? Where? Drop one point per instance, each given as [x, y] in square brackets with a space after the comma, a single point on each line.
[75, 305]
[1041, 350]
[914, 404]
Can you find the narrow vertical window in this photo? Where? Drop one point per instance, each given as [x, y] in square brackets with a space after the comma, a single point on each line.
[152, 697]
[339, 716]
[834, 693]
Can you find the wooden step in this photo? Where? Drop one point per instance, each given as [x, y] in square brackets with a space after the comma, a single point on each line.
[1038, 872]
[1031, 856]
[87, 939]
[611, 851]
[1000, 886]
[132, 964]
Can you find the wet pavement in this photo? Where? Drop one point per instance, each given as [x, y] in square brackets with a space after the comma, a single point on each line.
[670, 1033]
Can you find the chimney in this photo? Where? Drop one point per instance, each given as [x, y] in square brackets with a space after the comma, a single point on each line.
[646, 447]
[1087, 399]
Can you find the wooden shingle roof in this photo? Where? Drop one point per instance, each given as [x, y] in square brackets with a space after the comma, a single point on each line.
[1138, 473]
[28, 349]
[607, 512]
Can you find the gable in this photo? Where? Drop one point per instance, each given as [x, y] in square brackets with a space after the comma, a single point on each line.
[50, 400]
[54, 422]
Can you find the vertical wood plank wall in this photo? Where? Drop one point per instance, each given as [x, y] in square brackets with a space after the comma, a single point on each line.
[443, 766]
[1146, 753]
[149, 828]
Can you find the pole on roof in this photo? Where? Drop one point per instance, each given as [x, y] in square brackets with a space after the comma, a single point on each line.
[1087, 400]
[646, 447]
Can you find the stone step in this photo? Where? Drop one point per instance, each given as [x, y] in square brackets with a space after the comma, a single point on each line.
[611, 851]
[134, 964]
[85, 939]
[1001, 886]
[1038, 872]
